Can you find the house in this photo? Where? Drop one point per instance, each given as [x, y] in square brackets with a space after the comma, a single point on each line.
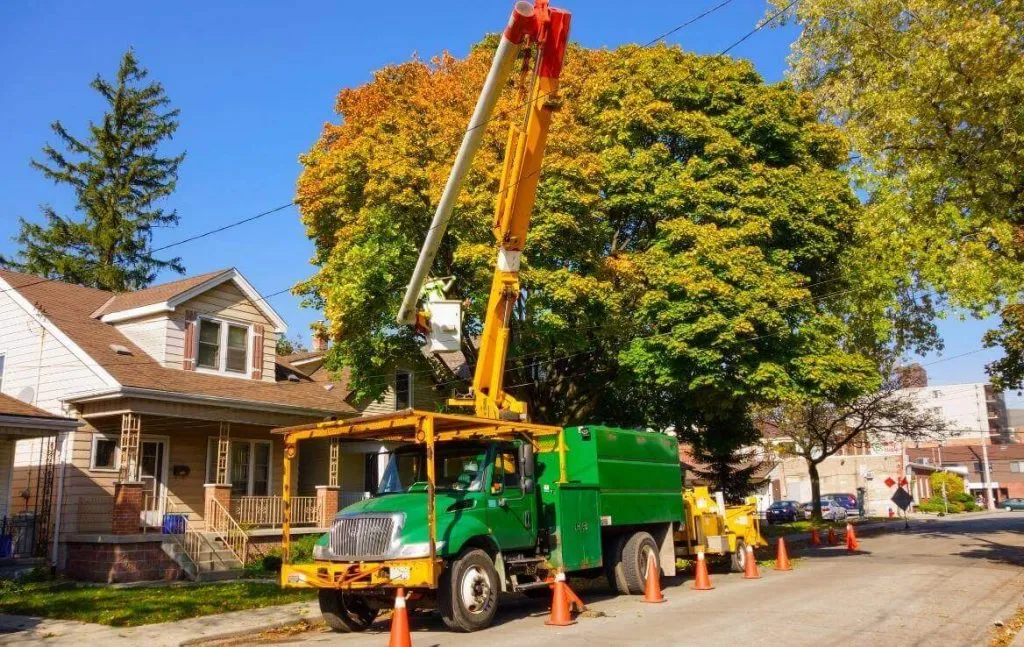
[174, 390]
[22, 518]
[1006, 466]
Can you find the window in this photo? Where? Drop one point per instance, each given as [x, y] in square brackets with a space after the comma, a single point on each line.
[506, 468]
[248, 466]
[1017, 466]
[209, 344]
[936, 394]
[3, 360]
[403, 390]
[222, 346]
[104, 453]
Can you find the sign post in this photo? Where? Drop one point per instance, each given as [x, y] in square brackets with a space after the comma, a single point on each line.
[902, 499]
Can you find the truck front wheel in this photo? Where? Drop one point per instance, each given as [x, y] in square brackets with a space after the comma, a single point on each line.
[468, 592]
[345, 613]
[639, 549]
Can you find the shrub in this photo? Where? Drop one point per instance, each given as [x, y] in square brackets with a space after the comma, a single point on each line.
[954, 485]
[302, 553]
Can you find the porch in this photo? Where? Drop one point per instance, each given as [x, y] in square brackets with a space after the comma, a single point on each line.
[208, 490]
[31, 441]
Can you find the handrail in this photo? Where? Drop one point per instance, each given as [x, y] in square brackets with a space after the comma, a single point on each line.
[220, 522]
[268, 511]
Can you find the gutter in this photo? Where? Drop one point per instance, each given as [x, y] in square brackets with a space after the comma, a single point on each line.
[168, 396]
[39, 422]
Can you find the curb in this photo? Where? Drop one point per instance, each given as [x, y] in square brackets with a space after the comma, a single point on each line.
[241, 633]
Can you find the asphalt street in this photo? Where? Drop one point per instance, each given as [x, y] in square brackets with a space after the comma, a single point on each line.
[944, 582]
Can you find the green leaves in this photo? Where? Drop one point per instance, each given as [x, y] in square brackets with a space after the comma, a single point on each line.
[117, 175]
[931, 96]
[689, 223]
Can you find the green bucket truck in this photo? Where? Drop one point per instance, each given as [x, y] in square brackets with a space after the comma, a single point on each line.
[502, 507]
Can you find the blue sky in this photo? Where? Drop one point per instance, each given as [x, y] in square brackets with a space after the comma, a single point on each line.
[256, 80]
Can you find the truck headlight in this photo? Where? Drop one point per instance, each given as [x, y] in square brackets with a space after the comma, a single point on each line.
[321, 552]
[412, 551]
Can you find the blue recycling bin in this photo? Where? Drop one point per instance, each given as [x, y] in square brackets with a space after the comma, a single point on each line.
[174, 524]
[6, 546]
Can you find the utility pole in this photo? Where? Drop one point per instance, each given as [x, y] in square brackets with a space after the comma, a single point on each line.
[945, 472]
[986, 475]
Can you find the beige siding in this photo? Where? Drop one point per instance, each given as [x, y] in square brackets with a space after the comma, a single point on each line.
[39, 369]
[228, 302]
[174, 350]
[149, 334]
[424, 395]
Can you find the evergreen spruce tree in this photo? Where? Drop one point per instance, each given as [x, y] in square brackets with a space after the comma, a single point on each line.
[118, 178]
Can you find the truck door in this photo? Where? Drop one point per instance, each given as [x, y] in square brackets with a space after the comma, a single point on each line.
[511, 514]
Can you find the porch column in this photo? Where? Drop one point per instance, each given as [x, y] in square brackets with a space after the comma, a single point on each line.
[328, 496]
[219, 492]
[128, 494]
[327, 503]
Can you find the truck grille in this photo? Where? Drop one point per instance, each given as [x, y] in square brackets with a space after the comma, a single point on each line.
[362, 536]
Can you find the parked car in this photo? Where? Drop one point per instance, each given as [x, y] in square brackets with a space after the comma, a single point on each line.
[830, 510]
[1012, 504]
[782, 512]
[848, 501]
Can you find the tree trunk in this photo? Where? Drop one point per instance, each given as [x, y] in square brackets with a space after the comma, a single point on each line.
[812, 470]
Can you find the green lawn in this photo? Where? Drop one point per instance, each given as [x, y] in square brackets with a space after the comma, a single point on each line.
[140, 606]
[805, 525]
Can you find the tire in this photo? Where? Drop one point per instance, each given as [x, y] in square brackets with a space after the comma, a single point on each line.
[738, 558]
[345, 613]
[468, 592]
[635, 554]
[613, 570]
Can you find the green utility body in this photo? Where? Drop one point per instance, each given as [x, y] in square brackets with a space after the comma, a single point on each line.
[617, 478]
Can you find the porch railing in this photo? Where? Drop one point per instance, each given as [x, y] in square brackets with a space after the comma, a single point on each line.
[220, 522]
[268, 511]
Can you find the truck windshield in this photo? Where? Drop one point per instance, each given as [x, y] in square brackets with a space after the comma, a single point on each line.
[458, 467]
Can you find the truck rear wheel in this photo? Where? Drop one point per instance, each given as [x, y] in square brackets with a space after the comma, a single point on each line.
[639, 549]
[345, 613]
[468, 592]
[738, 558]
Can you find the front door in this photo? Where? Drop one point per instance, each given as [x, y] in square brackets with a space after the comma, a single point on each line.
[511, 514]
[151, 469]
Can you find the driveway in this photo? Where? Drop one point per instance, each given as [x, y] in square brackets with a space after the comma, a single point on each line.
[943, 582]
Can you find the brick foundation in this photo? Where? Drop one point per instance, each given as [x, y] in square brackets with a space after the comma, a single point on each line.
[128, 561]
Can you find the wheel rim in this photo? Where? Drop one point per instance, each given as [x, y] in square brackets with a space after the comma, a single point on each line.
[741, 554]
[475, 590]
[646, 553]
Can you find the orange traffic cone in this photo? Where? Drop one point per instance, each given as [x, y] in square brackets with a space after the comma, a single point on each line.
[750, 566]
[400, 622]
[701, 581]
[782, 557]
[652, 588]
[561, 613]
[851, 539]
[832, 539]
[815, 537]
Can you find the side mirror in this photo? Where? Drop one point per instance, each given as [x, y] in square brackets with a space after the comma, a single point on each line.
[527, 463]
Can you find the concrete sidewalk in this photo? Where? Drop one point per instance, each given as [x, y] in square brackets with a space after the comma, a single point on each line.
[26, 630]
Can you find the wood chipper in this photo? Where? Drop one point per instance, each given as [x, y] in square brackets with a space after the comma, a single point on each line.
[715, 528]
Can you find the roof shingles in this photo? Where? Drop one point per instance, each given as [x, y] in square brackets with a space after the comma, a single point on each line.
[70, 308]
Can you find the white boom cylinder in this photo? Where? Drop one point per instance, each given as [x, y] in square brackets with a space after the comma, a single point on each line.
[501, 68]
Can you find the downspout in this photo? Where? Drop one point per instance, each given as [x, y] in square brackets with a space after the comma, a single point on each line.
[69, 440]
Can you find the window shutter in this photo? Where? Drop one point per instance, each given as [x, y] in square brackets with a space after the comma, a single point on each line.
[257, 352]
[189, 361]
